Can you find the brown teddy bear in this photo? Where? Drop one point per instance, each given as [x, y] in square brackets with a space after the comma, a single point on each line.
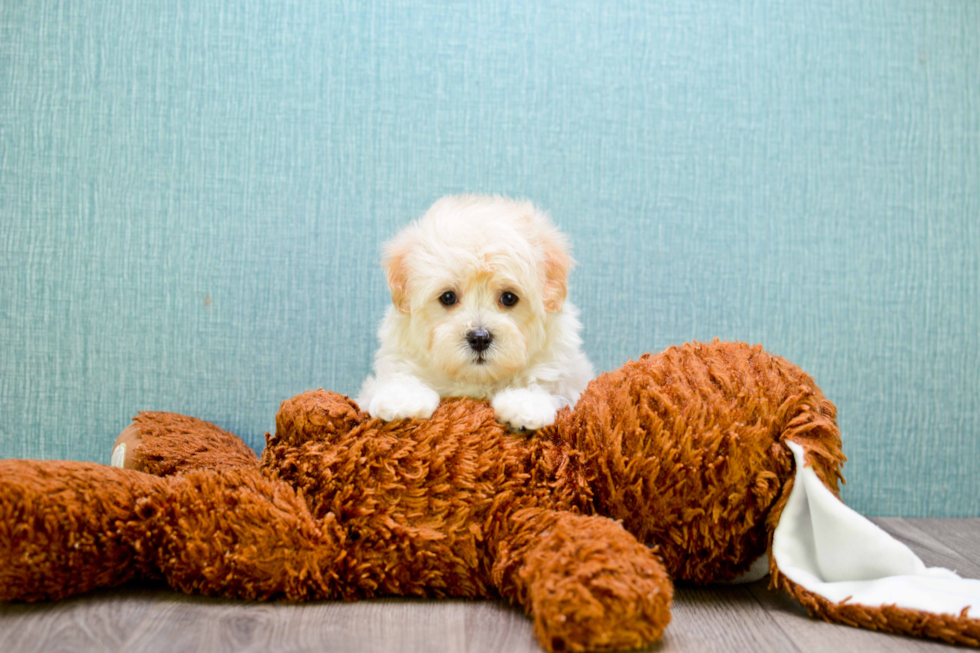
[678, 465]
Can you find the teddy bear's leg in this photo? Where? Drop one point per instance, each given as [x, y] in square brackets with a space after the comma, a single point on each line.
[586, 581]
[236, 533]
[166, 443]
[61, 527]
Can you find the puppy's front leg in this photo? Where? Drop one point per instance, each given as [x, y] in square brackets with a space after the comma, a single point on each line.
[398, 396]
[525, 409]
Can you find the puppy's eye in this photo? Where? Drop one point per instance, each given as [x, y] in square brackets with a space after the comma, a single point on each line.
[508, 299]
[448, 298]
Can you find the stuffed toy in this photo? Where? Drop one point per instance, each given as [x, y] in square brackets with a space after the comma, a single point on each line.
[705, 463]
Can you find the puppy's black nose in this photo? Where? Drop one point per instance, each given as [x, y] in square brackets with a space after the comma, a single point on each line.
[479, 339]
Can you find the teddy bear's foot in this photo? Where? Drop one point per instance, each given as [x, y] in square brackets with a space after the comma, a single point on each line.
[166, 443]
[587, 582]
[124, 448]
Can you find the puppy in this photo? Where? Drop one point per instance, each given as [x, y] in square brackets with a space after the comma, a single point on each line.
[478, 289]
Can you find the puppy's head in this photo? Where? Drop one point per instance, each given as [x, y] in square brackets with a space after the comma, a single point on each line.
[478, 278]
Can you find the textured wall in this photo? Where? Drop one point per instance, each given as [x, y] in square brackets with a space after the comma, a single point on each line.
[192, 200]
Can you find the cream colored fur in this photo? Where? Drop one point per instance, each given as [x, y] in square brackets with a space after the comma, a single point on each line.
[478, 248]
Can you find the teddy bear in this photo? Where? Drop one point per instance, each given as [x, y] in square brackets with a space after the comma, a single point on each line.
[708, 462]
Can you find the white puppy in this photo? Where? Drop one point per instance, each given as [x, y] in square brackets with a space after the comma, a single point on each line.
[478, 288]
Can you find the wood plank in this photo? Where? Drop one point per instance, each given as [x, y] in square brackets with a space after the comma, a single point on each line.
[499, 626]
[722, 618]
[940, 542]
[214, 626]
[961, 535]
[97, 621]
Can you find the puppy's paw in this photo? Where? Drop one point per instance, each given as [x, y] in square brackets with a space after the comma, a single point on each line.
[402, 397]
[525, 409]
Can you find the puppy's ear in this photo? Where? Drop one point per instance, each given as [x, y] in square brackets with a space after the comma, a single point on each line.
[396, 270]
[556, 265]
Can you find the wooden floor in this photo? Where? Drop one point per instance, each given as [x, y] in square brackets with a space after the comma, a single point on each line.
[737, 618]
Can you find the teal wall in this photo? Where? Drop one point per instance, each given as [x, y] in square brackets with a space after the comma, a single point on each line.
[193, 194]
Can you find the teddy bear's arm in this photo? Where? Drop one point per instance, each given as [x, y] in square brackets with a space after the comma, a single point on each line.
[167, 443]
[586, 581]
[69, 527]
[318, 415]
[237, 533]
[62, 527]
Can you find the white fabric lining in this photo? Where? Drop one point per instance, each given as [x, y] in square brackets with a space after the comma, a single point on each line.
[834, 552]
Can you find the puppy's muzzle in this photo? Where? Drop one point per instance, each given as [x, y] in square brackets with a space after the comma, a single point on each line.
[479, 340]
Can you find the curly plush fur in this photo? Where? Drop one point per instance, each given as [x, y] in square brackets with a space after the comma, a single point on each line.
[674, 466]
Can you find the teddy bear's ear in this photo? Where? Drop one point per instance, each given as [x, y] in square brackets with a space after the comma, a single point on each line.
[395, 265]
